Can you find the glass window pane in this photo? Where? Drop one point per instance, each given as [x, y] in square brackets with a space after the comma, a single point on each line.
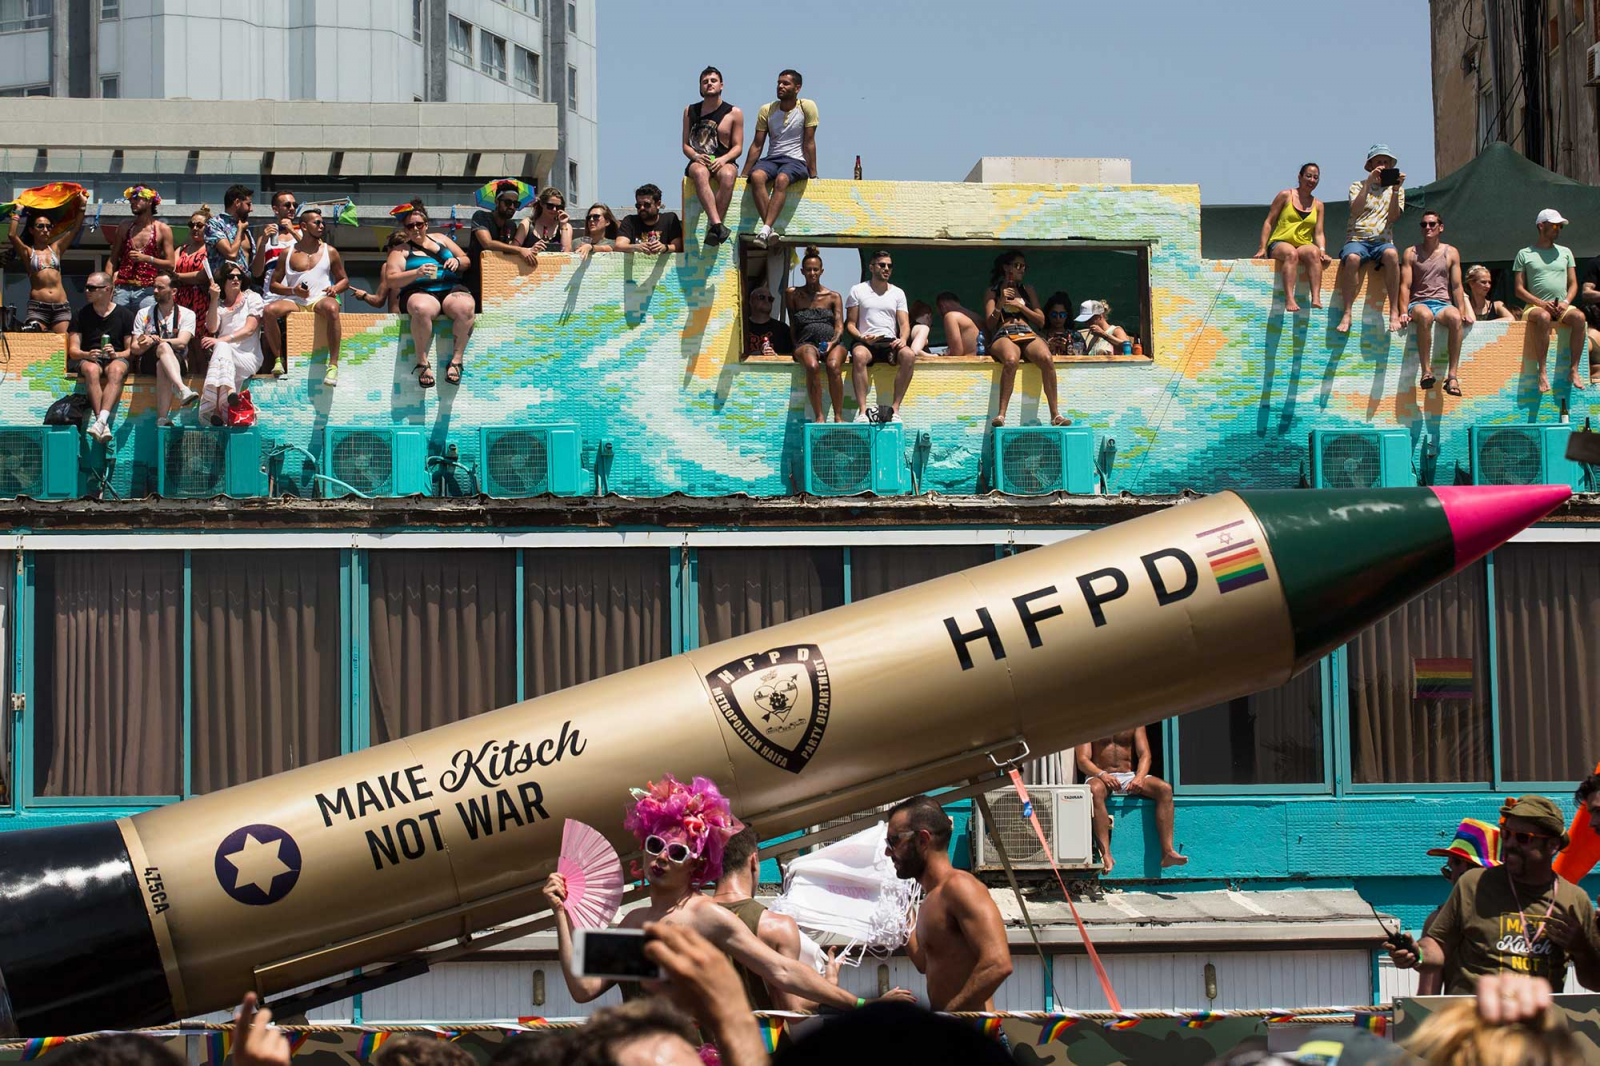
[267, 651]
[592, 612]
[877, 570]
[1419, 689]
[1270, 738]
[442, 626]
[108, 674]
[745, 589]
[1547, 615]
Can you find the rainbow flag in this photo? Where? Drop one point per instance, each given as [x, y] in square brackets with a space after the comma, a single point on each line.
[1441, 679]
[1280, 1017]
[1123, 1021]
[532, 1021]
[219, 1045]
[370, 1043]
[1237, 565]
[1372, 1022]
[296, 1042]
[1055, 1026]
[990, 1027]
[39, 1045]
[771, 1033]
[1201, 1019]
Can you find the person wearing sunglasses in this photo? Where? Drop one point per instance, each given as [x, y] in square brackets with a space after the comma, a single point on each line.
[599, 231]
[98, 351]
[1545, 278]
[309, 276]
[1476, 846]
[683, 830]
[1431, 292]
[650, 229]
[277, 237]
[428, 267]
[1519, 916]
[500, 230]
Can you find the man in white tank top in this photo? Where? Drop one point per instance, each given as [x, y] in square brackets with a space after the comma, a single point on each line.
[310, 275]
[1431, 291]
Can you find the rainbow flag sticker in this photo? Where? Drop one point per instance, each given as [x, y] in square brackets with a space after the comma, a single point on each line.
[1123, 1021]
[1055, 1026]
[1441, 679]
[39, 1045]
[1201, 1019]
[771, 1033]
[1233, 556]
[990, 1027]
[369, 1045]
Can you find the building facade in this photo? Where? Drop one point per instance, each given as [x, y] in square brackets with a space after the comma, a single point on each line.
[1526, 72]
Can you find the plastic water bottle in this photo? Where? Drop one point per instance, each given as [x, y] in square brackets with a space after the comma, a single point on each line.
[1127, 347]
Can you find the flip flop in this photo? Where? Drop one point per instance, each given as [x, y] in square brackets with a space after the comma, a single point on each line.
[1428, 382]
[452, 373]
[424, 372]
[1061, 420]
[1452, 386]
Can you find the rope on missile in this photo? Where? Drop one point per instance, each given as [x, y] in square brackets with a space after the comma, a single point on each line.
[195, 1028]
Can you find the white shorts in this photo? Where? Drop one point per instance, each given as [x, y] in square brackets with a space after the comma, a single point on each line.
[1123, 780]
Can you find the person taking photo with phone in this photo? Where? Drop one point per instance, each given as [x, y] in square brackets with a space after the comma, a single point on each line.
[1375, 203]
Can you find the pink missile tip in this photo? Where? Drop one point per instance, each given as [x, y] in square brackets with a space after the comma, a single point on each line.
[1483, 517]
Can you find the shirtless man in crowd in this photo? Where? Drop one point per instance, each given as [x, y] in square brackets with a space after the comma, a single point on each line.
[1120, 766]
[959, 942]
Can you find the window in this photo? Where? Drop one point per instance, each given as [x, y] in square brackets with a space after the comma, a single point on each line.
[527, 71]
[1270, 738]
[572, 16]
[461, 40]
[745, 589]
[16, 15]
[416, 21]
[572, 180]
[572, 88]
[590, 612]
[26, 90]
[110, 10]
[874, 571]
[110, 87]
[1419, 689]
[493, 62]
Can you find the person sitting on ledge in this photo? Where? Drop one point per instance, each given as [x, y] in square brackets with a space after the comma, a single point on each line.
[162, 335]
[599, 231]
[234, 341]
[549, 228]
[1058, 331]
[1099, 336]
[311, 275]
[878, 320]
[650, 229]
[1547, 282]
[387, 293]
[1479, 282]
[713, 139]
[1375, 203]
[428, 268]
[1015, 324]
[921, 327]
[763, 334]
[500, 230]
[1110, 769]
[1430, 291]
[107, 326]
[1292, 235]
[818, 316]
[963, 334]
[791, 124]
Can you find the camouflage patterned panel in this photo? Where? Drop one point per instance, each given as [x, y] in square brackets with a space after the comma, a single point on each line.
[1582, 1011]
[1153, 1042]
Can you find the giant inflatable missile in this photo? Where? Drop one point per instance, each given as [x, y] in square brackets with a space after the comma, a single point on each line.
[367, 857]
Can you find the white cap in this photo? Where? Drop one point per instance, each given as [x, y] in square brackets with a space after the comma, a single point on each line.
[1089, 309]
[1550, 214]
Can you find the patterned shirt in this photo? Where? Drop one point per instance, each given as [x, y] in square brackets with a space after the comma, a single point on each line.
[1373, 221]
[222, 228]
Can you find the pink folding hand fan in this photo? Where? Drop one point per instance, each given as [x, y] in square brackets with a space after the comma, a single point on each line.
[594, 875]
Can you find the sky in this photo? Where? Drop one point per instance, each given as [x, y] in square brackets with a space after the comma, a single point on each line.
[1231, 94]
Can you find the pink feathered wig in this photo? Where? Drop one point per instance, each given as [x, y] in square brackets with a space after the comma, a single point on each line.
[698, 809]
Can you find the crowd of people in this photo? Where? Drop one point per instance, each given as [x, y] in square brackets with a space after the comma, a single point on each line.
[1427, 286]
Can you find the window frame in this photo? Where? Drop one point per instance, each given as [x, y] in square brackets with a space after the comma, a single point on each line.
[115, 9]
[489, 44]
[418, 30]
[115, 82]
[532, 87]
[1171, 753]
[572, 87]
[459, 27]
[42, 19]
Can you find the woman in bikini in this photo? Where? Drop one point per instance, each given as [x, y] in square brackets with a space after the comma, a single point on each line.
[194, 279]
[817, 317]
[1015, 325]
[1292, 236]
[428, 268]
[549, 226]
[40, 256]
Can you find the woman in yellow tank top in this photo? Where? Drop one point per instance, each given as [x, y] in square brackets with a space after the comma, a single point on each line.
[1292, 235]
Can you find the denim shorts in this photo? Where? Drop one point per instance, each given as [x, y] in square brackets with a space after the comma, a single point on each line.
[1433, 305]
[773, 167]
[132, 297]
[1369, 251]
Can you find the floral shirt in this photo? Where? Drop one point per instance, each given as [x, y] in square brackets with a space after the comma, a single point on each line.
[222, 228]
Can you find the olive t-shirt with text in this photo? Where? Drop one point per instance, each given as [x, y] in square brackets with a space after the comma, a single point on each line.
[1481, 928]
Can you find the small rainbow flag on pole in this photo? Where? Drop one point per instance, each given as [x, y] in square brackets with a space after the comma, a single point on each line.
[1234, 558]
[990, 1027]
[1372, 1022]
[1201, 1019]
[39, 1045]
[1055, 1026]
[1279, 1017]
[533, 1021]
[369, 1045]
[1123, 1021]
[296, 1042]
[219, 1046]
[1441, 679]
[771, 1033]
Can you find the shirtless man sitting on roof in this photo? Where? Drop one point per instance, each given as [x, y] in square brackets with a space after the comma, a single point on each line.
[1109, 768]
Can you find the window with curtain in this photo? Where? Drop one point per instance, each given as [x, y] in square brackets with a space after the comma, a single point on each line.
[267, 648]
[1270, 738]
[108, 674]
[590, 612]
[442, 633]
[1419, 689]
[1547, 615]
[876, 570]
[745, 589]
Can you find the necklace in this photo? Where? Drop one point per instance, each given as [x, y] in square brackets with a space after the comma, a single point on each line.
[1533, 938]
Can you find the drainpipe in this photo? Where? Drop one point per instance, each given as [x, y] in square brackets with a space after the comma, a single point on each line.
[1491, 29]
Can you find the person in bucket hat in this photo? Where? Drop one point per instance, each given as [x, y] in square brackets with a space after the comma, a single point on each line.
[1376, 201]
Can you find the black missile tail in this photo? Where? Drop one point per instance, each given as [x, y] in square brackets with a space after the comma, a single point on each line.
[76, 948]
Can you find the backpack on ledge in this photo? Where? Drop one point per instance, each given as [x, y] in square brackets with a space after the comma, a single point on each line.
[72, 410]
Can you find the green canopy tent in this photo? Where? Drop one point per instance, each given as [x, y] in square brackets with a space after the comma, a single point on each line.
[1488, 207]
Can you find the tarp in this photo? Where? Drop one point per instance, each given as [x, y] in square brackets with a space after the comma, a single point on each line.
[1488, 206]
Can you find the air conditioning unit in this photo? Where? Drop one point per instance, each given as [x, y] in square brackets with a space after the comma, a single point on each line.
[1034, 460]
[530, 460]
[1522, 455]
[1064, 815]
[1592, 66]
[41, 462]
[381, 461]
[199, 462]
[1361, 459]
[846, 458]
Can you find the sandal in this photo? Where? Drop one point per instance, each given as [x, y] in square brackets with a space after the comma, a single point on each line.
[452, 373]
[424, 372]
[1061, 420]
[1452, 386]
[1428, 381]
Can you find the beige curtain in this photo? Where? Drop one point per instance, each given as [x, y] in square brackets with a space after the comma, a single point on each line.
[1270, 738]
[1547, 613]
[745, 589]
[593, 612]
[1398, 739]
[877, 570]
[443, 637]
[267, 651]
[108, 670]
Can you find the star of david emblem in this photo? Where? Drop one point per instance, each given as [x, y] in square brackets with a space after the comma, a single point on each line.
[258, 864]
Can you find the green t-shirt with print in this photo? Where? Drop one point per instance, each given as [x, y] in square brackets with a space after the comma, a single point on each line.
[1481, 928]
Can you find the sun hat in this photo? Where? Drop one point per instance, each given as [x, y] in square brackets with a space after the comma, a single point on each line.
[1380, 149]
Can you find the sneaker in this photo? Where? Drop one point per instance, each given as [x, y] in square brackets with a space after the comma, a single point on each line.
[763, 235]
[189, 398]
[716, 234]
[775, 238]
[861, 416]
[895, 417]
[99, 430]
[330, 377]
[164, 420]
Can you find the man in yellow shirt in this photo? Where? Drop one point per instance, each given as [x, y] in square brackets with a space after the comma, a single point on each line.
[791, 125]
[1375, 202]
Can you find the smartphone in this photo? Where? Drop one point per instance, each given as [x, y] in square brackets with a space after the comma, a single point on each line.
[617, 954]
[1389, 176]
